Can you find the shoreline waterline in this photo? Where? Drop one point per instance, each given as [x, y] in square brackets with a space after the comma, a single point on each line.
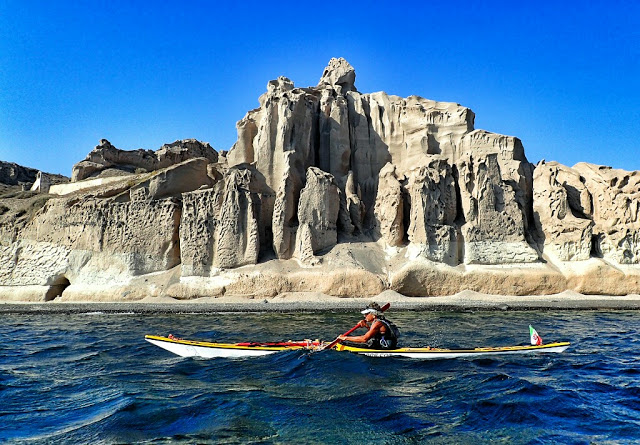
[315, 302]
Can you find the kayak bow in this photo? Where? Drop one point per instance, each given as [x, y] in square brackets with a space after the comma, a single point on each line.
[190, 348]
[437, 353]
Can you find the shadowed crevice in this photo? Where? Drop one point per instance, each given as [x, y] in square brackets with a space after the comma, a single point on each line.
[57, 288]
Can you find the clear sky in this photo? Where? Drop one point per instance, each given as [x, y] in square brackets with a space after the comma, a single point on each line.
[564, 77]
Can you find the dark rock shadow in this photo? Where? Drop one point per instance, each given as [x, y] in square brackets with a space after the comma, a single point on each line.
[57, 288]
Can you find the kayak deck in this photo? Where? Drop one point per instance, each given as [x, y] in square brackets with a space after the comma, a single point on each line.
[190, 348]
[438, 353]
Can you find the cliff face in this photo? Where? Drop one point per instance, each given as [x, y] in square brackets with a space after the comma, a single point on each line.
[329, 189]
[467, 193]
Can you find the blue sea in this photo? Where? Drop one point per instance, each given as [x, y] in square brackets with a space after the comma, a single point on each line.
[92, 378]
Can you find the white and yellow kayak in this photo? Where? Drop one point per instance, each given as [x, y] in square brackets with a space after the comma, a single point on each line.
[190, 348]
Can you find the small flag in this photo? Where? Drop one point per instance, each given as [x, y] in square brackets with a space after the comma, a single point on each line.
[536, 340]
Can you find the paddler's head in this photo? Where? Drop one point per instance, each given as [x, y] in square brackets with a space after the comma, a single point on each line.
[371, 312]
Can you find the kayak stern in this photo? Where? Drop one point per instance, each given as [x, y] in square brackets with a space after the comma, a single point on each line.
[189, 348]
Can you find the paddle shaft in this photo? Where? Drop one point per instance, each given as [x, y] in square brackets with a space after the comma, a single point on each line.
[333, 343]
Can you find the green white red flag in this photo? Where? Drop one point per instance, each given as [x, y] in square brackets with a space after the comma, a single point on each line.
[536, 340]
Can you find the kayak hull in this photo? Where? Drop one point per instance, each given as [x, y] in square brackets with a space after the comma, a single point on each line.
[189, 348]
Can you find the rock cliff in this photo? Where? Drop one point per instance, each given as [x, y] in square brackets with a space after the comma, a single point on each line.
[333, 190]
[107, 160]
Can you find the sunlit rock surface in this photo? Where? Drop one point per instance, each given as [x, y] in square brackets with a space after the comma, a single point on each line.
[327, 189]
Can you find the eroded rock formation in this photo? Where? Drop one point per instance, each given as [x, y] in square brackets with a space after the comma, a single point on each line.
[389, 208]
[107, 160]
[562, 208]
[433, 212]
[615, 197]
[317, 214]
[329, 189]
[222, 227]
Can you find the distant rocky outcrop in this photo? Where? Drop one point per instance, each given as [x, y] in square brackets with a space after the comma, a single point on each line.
[106, 160]
[331, 190]
[14, 174]
[25, 177]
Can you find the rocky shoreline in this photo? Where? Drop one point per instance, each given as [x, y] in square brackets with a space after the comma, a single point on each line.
[313, 302]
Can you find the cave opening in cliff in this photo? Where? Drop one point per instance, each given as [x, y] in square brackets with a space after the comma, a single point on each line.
[57, 288]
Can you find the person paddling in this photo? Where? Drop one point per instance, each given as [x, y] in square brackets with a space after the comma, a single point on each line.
[382, 333]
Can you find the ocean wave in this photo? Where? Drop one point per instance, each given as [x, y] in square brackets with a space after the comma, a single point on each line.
[89, 414]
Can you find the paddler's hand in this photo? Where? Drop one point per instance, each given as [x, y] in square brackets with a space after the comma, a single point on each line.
[342, 337]
[363, 324]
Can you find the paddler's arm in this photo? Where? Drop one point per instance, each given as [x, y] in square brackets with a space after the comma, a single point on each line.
[363, 338]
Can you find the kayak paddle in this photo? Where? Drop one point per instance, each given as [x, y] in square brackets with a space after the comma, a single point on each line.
[333, 343]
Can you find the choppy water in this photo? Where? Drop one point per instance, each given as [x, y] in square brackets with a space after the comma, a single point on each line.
[92, 378]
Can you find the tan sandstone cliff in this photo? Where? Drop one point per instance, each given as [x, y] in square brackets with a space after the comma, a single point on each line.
[329, 190]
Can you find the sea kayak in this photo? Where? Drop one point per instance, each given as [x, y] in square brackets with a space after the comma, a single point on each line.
[190, 348]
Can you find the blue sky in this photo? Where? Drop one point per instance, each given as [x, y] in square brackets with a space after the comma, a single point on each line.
[564, 77]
